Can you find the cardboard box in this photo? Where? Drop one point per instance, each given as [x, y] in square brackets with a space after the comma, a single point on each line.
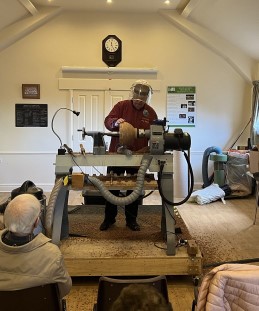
[254, 161]
[78, 180]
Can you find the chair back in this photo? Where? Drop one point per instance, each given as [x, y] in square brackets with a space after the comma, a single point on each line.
[109, 289]
[39, 298]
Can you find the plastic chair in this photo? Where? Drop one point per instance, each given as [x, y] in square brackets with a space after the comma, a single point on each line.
[40, 298]
[109, 289]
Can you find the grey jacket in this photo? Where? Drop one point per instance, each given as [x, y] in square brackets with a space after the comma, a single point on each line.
[36, 263]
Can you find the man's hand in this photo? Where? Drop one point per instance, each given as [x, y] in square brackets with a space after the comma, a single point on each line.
[118, 122]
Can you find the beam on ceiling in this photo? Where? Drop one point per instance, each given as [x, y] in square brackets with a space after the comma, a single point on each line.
[239, 61]
[189, 8]
[29, 6]
[20, 29]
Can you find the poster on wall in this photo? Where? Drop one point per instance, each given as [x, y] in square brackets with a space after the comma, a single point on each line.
[31, 115]
[181, 106]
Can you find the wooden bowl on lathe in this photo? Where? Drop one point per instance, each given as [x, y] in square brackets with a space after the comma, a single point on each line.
[127, 134]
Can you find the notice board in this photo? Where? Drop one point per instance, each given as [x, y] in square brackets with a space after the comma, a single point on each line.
[31, 115]
[181, 106]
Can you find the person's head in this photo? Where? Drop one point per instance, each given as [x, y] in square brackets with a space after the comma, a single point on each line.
[22, 214]
[140, 93]
[140, 297]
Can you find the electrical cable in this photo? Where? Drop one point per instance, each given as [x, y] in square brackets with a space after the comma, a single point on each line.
[160, 247]
[240, 134]
[147, 195]
[190, 189]
[96, 170]
[52, 122]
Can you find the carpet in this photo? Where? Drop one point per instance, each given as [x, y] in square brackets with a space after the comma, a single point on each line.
[85, 221]
[223, 232]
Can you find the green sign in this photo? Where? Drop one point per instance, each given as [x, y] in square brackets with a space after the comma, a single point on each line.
[181, 89]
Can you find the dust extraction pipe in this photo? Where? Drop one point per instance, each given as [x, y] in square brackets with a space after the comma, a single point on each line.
[145, 162]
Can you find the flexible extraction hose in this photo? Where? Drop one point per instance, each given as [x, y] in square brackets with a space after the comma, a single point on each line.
[206, 180]
[145, 162]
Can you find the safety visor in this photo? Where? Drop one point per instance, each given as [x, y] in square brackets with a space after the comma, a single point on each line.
[141, 92]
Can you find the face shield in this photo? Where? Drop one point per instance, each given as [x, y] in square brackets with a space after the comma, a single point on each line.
[141, 91]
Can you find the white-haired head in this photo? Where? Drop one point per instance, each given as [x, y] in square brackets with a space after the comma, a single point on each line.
[141, 90]
[22, 213]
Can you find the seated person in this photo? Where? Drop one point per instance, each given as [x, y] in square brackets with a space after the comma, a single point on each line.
[1, 222]
[29, 260]
[140, 297]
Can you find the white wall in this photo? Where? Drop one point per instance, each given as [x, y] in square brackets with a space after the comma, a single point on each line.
[74, 39]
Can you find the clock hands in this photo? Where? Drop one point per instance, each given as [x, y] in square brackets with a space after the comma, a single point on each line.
[112, 44]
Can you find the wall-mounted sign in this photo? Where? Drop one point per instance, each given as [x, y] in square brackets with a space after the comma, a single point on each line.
[181, 106]
[31, 91]
[31, 115]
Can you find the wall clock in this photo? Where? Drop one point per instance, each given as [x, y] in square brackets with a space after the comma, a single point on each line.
[111, 50]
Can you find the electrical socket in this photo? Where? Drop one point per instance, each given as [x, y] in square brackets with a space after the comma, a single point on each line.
[1, 161]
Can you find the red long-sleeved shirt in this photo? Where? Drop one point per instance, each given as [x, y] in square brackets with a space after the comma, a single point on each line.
[140, 119]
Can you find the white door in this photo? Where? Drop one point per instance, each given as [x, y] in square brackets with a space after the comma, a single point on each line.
[111, 99]
[93, 107]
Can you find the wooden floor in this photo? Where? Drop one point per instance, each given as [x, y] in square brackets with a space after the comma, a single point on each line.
[232, 223]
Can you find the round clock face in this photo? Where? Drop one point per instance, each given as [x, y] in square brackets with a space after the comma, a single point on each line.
[111, 45]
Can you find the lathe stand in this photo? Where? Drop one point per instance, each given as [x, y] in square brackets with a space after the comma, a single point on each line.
[63, 166]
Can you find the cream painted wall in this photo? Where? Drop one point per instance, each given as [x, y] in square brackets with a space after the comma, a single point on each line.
[74, 39]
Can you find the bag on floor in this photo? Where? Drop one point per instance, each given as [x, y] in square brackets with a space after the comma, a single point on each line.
[27, 187]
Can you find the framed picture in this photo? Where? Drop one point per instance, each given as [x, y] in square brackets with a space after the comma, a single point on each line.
[31, 91]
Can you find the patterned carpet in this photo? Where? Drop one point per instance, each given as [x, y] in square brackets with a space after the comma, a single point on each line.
[149, 219]
[225, 242]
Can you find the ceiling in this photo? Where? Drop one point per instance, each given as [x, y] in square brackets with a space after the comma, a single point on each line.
[234, 20]
[116, 5]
